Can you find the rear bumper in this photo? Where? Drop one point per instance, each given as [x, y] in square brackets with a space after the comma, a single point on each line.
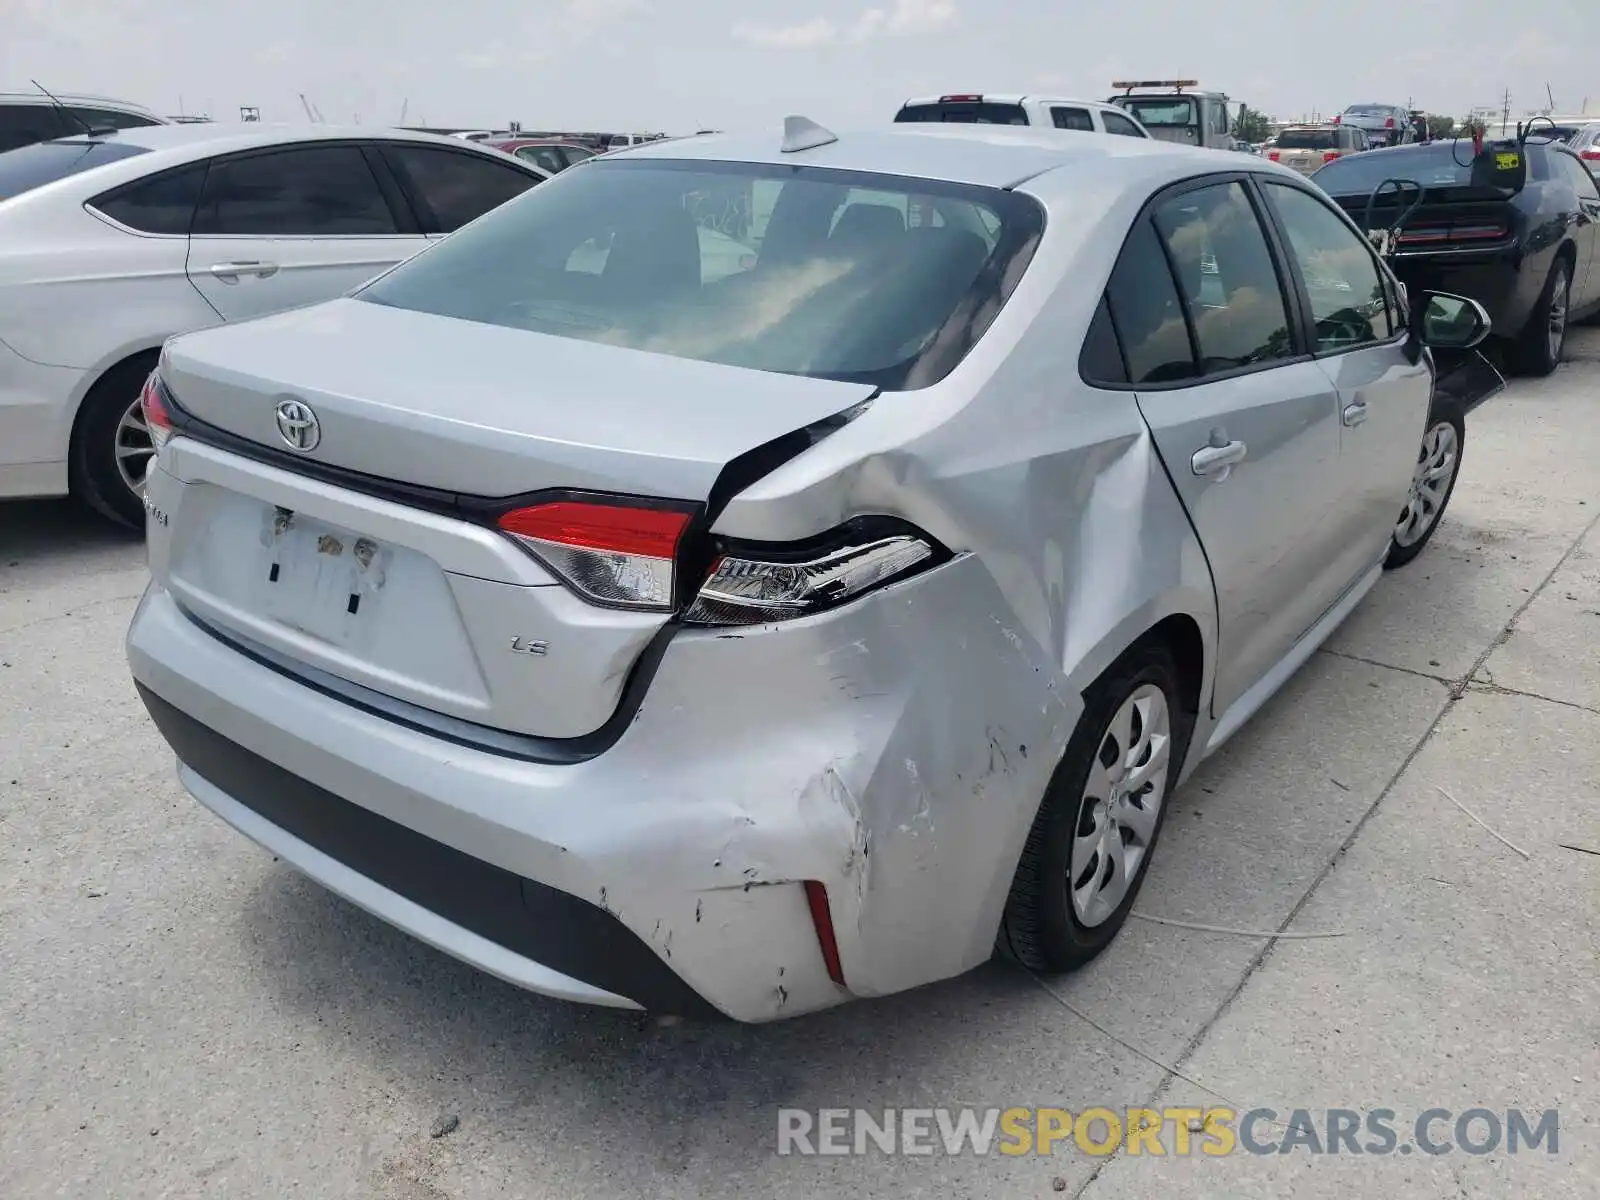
[668, 872]
[1491, 279]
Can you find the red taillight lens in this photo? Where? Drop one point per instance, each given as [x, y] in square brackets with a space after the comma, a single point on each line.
[1389, 124]
[756, 585]
[1330, 155]
[1273, 155]
[620, 555]
[1339, 120]
[1591, 155]
[822, 921]
[157, 416]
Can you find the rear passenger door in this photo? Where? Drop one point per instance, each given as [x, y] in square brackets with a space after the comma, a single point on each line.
[1245, 421]
[1359, 338]
[294, 225]
[448, 188]
[1117, 123]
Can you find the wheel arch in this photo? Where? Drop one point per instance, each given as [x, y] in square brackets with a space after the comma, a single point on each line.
[122, 359]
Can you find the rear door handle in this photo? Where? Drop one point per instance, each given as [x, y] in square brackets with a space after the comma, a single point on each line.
[1355, 414]
[1218, 460]
[230, 271]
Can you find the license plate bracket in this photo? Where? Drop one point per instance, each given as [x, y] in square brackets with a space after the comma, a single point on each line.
[319, 579]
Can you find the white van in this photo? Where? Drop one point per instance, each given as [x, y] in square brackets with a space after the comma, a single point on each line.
[970, 108]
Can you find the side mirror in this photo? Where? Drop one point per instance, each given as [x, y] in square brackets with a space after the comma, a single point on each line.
[1452, 322]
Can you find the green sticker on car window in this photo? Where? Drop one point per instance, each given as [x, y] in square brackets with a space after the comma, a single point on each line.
[1507, 161]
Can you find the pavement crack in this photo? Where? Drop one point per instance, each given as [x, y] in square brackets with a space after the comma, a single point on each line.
[1372, 662]
[1490, 688]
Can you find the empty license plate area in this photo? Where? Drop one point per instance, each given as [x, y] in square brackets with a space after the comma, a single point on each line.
[317, 578]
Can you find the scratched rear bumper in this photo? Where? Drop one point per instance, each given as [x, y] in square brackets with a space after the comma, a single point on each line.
[894, 750]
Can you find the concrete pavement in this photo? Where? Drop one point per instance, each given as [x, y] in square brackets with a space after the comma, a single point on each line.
[183, 1016]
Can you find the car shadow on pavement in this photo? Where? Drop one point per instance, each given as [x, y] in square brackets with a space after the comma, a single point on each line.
[39, 530]
[679, 1095]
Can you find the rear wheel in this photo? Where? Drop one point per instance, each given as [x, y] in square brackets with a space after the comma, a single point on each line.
[111, 448]
[1433, 481]
[1537, 349]
[1091, 843]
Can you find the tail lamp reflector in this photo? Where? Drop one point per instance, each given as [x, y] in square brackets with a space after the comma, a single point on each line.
[615, 554]
[822, 921]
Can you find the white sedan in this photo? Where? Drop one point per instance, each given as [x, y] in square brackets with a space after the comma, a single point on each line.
[111, 244]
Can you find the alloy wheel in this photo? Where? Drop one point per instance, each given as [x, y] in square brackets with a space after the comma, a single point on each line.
[1120, 806]
[133, 448]
[1556, 332]
[1430, 484]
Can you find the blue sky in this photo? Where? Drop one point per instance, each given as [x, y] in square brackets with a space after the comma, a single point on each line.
[620, 64]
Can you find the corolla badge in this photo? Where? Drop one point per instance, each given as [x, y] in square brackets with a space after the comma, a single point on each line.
[298, 425]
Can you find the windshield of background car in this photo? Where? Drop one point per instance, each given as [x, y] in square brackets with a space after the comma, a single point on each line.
[1369, 110]
[799, 270]
[1308, 139]
[957, 112]
[1444, 164]
[28, 167]
[1153, 112]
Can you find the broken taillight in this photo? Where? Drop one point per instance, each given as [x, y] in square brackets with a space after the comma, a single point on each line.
[157, 415]
[757, 584]
[822, 922]
[621, 555]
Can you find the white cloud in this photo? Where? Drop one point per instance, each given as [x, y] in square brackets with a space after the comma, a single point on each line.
[818, 31]
[905, 18]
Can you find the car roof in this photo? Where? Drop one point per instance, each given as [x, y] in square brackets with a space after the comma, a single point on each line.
[1007, 98]
[75, 98]
[997, 156]
[220, 137]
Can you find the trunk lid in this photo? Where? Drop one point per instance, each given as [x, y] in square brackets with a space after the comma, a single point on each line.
[488, 411]
[417, 609]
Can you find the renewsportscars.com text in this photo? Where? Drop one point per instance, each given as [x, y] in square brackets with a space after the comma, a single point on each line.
[1177, 1131]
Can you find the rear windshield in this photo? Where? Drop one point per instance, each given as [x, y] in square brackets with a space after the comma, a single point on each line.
[1154, 112]
[1369, 110]
[1446, 164]
[799, 270]
[1308, 139]
[958, 112]
[28, 167]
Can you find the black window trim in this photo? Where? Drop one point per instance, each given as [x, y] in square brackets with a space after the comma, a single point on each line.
[427, 220]
[92, 205]
[1296, 307]
[401, 217]
[1308, 321]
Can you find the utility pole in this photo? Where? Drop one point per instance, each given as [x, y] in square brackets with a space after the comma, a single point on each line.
[1505, 112]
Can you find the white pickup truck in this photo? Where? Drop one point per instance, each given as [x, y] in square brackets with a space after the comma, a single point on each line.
[1051, 112]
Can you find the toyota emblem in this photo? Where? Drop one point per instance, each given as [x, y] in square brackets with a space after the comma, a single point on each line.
[298, 425]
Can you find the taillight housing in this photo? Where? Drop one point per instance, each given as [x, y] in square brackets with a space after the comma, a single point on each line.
[758, 584]
[1272, 155]
[1389, 124]
[1330, 155]
[1590, 155]
[157, 411]
[615, 552]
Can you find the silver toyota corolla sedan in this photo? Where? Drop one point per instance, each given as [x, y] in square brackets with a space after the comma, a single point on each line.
[743, 643]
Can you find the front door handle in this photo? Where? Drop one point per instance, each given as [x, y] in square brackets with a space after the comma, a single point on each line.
[230, 271]
[1355, 414]
[1219, 458]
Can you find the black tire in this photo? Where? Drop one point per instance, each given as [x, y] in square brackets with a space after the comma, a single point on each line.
[1531, 350]
[1040, 928]
[1400, 554]
[94, 475]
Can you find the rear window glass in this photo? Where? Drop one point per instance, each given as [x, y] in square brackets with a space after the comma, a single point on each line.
[1308, 139]
[1444, 164]
[959, 113]
[798, 270]
[1154, 112]
[1369, 110]
[28, 167]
